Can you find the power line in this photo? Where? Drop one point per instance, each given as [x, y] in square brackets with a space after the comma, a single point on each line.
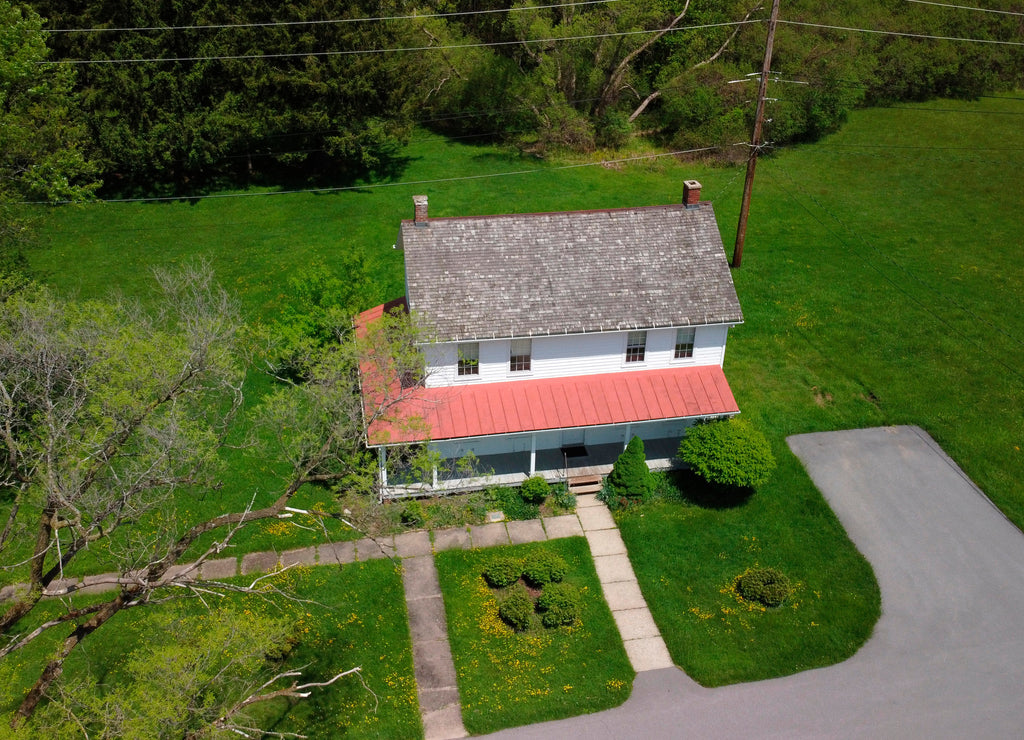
[369, 186]
[966, 7]
[449, 47]
[902, 34]
[275, 24]
[349, 52]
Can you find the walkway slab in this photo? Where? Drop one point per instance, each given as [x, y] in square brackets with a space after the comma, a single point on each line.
[489, 535]
[586, 501]
[427, 619]
[456, 538]
[434, 666]
[375, 548]
[596, 517]
[433, 699]
[623, 595]
[220, 568]
[614, 568]
[302, 556]
[648, 654]
[258, 562]
[444, 724]
[413, 544]
[337, 553]
[636, 623]
[605, 542]
[420, 578]
[528, 531]
[567, 525]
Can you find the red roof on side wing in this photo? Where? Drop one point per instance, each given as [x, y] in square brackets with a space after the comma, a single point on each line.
[482, 409]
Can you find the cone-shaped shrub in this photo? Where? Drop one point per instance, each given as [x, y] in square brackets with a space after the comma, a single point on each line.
[630, 478]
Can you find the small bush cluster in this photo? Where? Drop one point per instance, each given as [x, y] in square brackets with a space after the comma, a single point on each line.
[516, 609]
[559, 604]
[766, 586]
[630, 482]
[729, 452]
[545, 567]
[534, 490]
[503, 572]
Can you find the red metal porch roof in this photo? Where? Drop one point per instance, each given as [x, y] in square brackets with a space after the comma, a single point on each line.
[481, 409]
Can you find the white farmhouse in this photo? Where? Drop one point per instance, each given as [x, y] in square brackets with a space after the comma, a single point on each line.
[556, 337]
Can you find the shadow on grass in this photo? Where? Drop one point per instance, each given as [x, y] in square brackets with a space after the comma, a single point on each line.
[321, 172]
[689, 488]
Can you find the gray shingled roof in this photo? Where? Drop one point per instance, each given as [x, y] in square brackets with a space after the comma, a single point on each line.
[580, 271]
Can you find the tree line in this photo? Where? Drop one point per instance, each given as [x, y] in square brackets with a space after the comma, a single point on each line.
[332, 94]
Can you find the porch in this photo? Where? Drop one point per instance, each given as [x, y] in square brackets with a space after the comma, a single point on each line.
[555, 465]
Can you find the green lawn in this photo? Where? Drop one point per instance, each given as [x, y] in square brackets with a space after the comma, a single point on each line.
[879, 284]
[508, 679]
[352, 616]
[687, 549]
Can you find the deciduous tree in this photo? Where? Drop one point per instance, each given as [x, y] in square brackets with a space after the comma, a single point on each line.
[110, 415]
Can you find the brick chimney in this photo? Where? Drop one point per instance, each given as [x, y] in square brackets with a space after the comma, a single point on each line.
[691, 193]
[420, 217]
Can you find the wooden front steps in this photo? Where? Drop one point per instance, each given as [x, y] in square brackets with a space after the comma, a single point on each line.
[585, 484]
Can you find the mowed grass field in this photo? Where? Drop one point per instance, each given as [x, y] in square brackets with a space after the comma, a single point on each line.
[882, 280]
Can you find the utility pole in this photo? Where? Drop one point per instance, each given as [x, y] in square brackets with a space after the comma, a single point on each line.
[755, 139]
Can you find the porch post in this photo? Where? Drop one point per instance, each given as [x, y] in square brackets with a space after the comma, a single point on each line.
[533, 454]
[382, 456]
[625, 442]
[433, 477]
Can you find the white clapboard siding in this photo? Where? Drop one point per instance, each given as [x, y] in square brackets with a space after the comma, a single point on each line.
[572, 355]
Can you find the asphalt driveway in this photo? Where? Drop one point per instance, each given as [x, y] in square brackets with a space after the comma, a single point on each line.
[947, 656]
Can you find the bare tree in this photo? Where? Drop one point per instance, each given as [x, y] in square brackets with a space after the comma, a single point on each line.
[108, 413]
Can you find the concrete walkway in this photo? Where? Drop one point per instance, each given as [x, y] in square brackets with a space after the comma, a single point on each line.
[646, 649]
[432, 658]
[946, 659]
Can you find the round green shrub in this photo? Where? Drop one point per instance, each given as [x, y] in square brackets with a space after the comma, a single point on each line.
[630, 477]
[764, 585]
[534, 490]
[516, 609]
[728, 452]
[558, 604]
[544, 567]
[502, 572]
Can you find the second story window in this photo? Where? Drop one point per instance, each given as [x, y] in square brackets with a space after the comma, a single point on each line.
[636, 346]
[519, 355]
[469, 358]
[684, 342]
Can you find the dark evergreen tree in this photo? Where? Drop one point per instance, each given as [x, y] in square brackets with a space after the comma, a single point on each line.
[630, 478]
